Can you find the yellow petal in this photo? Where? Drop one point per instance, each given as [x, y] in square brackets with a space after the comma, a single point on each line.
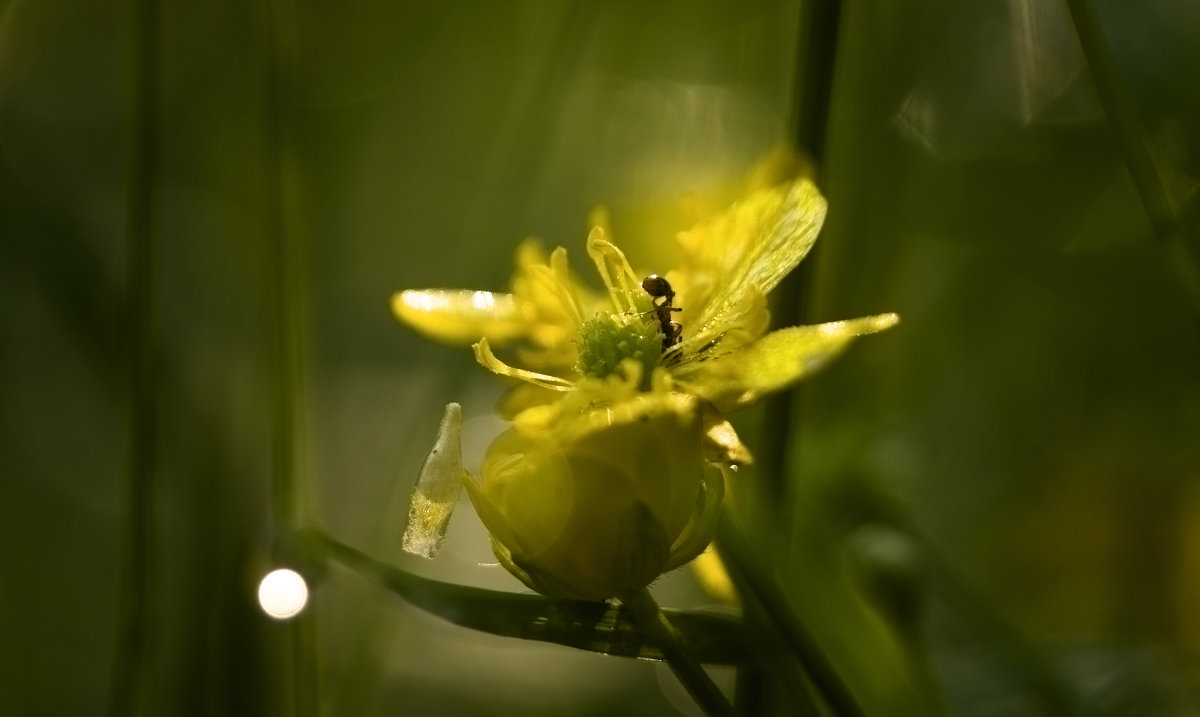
[459, 316]
[738, 324]
[545, 291]
[710, 573]
[777, 360]
[524, 396]
[437, 489]
[721, 442]
[618, 276]
[750, 246]
[487, 359]
[783, 164]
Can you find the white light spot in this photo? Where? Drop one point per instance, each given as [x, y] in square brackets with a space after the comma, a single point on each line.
[833, 328]
[282, 593]
[483, 300]
[419, 300]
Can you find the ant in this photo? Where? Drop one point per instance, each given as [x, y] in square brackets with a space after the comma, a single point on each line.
[659, 288]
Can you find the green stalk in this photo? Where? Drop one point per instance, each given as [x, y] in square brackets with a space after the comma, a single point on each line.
[818, 32]
[132, 658]
[286, 285]
[1127, 134]
[758, 587]
[650, 618]
[819, 27]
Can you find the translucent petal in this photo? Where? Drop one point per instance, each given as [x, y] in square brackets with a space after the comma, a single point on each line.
[561, 271]
[437, 489]
[777, 360]
[721, 442]
[737, 325]
[541, 314]
[487, 359]
[751, 246]
[618, 276]
[459, 316]
[545, 293]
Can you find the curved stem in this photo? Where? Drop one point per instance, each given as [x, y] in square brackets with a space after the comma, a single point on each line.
[650, 618]
[757, 586]
[581, 624]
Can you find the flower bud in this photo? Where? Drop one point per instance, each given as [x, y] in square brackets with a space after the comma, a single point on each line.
[602, 502]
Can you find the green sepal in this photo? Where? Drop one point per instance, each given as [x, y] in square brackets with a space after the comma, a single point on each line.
[438, 488]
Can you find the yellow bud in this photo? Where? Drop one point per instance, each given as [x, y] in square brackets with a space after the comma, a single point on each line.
[601, 503]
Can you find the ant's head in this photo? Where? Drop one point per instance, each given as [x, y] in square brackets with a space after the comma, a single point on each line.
[658, 287]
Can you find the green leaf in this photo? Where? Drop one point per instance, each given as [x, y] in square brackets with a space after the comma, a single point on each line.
[594, 626]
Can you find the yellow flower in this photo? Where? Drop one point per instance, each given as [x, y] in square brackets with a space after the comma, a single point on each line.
[565, 333]
[606, 478]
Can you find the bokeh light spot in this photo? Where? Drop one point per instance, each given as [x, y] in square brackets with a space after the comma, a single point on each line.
[282, 593]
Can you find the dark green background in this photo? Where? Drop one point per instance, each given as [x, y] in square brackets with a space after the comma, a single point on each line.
[1033, 417]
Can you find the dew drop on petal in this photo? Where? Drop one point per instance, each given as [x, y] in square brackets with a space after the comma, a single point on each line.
[483, 300]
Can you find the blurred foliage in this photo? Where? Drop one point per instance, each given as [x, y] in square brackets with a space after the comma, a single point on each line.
[996, 496]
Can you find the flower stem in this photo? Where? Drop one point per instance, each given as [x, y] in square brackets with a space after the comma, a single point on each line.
[816, 52]
[286, 301]
[757, 586]
[1122, 121]
[650, 618]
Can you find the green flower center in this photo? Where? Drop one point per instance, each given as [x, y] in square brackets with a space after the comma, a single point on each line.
[608, 339]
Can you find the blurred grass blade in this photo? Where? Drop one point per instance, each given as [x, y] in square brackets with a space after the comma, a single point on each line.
[593, 626]
[132, 663]
[1130, 140]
